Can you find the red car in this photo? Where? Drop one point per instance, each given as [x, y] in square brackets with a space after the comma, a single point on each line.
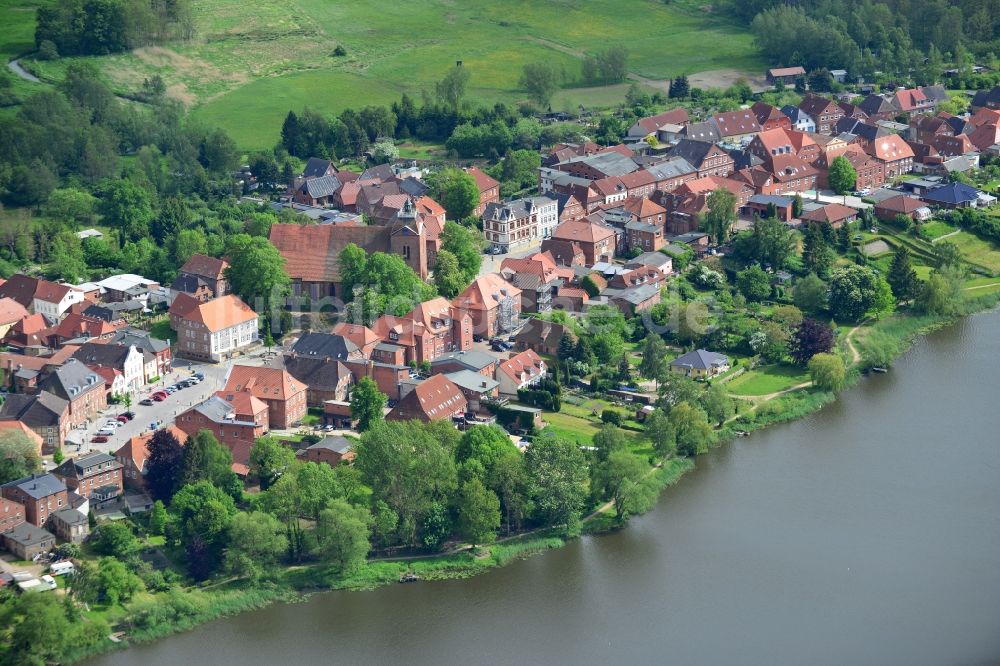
[123, 419]
[98, 439]
[159, 397]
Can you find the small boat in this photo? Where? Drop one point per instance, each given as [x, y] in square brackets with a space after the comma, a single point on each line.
[880, 370]
[409, 578]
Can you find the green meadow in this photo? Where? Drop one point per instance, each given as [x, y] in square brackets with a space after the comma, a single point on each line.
[251, 62]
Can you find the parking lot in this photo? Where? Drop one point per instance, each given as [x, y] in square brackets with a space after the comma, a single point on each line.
[159, 413]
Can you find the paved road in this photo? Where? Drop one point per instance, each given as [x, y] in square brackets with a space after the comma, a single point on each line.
[491, 262]
[15, 67]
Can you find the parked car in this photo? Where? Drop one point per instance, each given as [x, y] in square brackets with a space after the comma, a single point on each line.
[159, 397]
[105, 432]
[147, 402]
[98, 439]
[123, 419]
[129, 414]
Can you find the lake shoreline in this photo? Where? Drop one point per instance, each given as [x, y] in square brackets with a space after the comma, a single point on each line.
[292, 587]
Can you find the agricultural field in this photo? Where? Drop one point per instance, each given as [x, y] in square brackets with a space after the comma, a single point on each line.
[251, 62]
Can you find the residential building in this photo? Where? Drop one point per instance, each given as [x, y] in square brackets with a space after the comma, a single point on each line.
[475, 361]
[824, 112]
[878, 108]
[70, 525]
[737, 127]
[331, 450]
[489, 189]
[894, 153]
[235, 419]
[700, 364]
[127, 360]
[284, 396]
[799, 119]
[41, 495]
[156, 353]
[888, 209]
[652, 124]
[834, 213]
[477, 389]
[513, 225]
[11, 312]
[633, 300]
[204, 270]
[493, 305]
[364, 338]
[26, 541]
[770, 117]
[317, 362]
[215, 330]
[44, 414]
[542, 337]
[432, 328]
[433, 399]
[595, 240]
[11, 514]
[520, 371]
[643, 236]
[134, 453]
[97, 476]
[80, 386]
[708, 158]
[952, 195]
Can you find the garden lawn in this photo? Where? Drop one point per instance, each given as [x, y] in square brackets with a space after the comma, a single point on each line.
[936, 229]
[767, 379]
[162, 330]
[978, 251]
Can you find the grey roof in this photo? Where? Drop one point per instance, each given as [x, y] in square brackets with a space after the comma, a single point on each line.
[316, 167]
[470, 359]
[700, 360]
[324, 345]
[876, 104]
[692, 151]
[34, 411]
[672, 168]
[387, 347]
[321, 187]
[188, 283]
[70, 516]
[79, 467]
[27, 534]
[634, 295]
[217, 410]
[380, 172]
[636, 225]
[795, 114]
[72, 380]
[316, 372]
[610, 163]
[860, 128]
[766, 199]
[656, 259]
[335, 443]
[473, 381]
[140, 339]
[101, 312]
[702, 132]
[413, 187]
[109, 355]
[935, 93]
[37, 486]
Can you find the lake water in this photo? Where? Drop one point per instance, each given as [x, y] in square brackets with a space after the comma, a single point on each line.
[868, 533]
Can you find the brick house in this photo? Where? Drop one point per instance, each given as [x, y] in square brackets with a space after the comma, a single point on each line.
[319, 364]
[364, 338]
[595, 240]
[80, 386]
[493, 305]
[489, 189]
[643, 236]
[235, 419]
[97, 476]
[433, 399]
[127, 360]
[895, 155]
[736, 126]
[156, 353]
[41, 495]
[834, 213]
[207, 270]
[215, 330]
[45, 414]
[823, 111]
[133, 454]
[432, 328]
[541, 336]
[41, 296]
[770, 117]
[11, 312]
[708, 158]
[331, 450]
[11, 514]
[284, 396]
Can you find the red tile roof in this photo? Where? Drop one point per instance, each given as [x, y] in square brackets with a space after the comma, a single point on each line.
[483, 181]
[736, 123]
[221, 313]
[890, 148]
[523, 366]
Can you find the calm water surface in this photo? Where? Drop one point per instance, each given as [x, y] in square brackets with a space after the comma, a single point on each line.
[868, 533]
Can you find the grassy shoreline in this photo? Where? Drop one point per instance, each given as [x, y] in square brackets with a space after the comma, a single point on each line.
[175, 611]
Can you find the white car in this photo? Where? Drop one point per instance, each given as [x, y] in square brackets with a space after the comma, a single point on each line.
[106, 431]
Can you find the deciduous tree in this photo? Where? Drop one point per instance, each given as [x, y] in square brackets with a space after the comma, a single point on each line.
[18, 456]
[478, 513]
[811, 337]
[827, 371]
[367, 403]
[342, 533]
